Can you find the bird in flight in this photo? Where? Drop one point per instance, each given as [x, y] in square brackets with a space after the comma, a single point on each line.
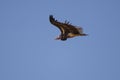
[67, 30]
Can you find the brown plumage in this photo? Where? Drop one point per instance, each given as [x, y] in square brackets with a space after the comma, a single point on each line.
[67, 30]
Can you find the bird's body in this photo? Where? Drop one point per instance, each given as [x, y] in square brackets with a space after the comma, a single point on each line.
[67, 30]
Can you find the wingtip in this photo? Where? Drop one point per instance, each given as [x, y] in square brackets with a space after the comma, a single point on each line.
[51, 16]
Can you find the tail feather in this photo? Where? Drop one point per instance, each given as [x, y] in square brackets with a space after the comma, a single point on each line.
[83, 34]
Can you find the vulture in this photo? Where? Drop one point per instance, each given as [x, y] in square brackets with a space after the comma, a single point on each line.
[67, 30]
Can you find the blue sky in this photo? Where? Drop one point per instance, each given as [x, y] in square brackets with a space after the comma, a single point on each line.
[28, 50]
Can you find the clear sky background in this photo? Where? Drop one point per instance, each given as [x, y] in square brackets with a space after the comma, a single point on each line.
[28, 50]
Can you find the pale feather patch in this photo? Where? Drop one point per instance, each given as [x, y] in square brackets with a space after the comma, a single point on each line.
[63, 30]
[70, 35]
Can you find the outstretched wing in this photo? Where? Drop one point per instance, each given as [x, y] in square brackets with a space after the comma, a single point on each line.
[65, 27]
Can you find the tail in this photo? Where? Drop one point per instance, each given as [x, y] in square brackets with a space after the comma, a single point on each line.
[83, 34]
